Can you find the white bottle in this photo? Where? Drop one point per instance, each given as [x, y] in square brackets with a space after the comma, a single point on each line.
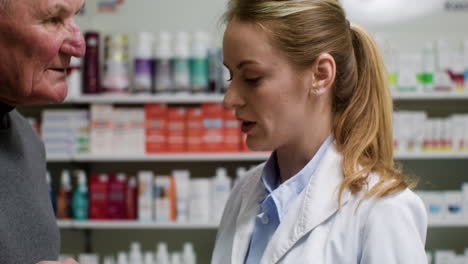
[182, 183]
[162, 254]
[74, 78]
[162, 64]
[122, 258]
[136, 257]
[65, 180]
[109, 260]
[149, 258]
[181, 63]
[143, 73]
[188, 255]
[220, 193]
[176, 258]
[200, 207]
[465, 63]
[145, 196]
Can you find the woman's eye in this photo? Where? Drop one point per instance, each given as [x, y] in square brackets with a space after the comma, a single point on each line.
[253, 80]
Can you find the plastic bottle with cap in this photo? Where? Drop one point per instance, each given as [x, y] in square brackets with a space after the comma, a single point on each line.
[188, 255]
[465, 64]
[149, 258]
[136, 257]
[74, 78]
[162, 64]
[51, 192]
[176, 258]
[199, 63]
[181, 63]
[122, 258]
[80, 200]
[109, 260]
[64, 196]
[143, 69]
[182, 183]
[221, 190]
[162, 254]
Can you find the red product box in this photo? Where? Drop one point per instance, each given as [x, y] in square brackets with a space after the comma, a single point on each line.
[232, 132]
[117, 207]
[156, 128]
[98, 196]
[213, 134]
[177, 129]
[194, 129]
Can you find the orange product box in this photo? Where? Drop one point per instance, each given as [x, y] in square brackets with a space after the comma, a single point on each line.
[213, 127]
[177, 129]
[156, 131]
[194, 129]
[232, 132]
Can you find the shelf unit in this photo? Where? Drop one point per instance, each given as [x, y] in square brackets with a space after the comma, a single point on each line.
[183, 98]
[186, 98]
[430, 96]
[212, 157]
[71, 224]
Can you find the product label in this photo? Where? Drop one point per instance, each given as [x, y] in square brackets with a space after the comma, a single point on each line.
[199, 74]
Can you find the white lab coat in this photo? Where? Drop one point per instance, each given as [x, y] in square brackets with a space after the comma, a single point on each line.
[389, 230]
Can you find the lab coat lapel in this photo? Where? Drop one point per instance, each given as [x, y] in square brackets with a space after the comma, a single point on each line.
[246, 221]
[316, 204]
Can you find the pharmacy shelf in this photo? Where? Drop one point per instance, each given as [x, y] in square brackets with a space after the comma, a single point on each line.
[452, 223]
[431, 156]
[70, 224]
[196, 157]
[175, 157]
[138, 99]
[186, 98]
[430, 96]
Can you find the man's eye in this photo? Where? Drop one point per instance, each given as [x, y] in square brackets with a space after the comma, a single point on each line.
[54, 20]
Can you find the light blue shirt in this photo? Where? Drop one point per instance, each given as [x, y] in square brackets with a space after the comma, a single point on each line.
[277, 199]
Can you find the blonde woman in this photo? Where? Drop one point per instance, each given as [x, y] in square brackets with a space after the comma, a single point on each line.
[312, 88]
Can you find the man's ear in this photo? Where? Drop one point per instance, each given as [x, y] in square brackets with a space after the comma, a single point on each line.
[324, 72]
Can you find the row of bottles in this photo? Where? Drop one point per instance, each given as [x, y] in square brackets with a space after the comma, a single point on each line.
[183, 64]
[137, 256]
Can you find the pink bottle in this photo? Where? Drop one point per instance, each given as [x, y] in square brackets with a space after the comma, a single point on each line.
[98, 197]
[117, 208]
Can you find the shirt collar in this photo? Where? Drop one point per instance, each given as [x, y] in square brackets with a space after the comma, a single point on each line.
[4, 110]
[284, 194]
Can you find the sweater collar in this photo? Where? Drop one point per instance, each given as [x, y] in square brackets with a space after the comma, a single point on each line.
[4, 110]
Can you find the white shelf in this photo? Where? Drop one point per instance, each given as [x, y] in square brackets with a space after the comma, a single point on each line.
[247, 156]
[430, 96]
[431, 155]
[452, 223]
[70, 224]
[164, 157]
[186, 98]
[138, 99]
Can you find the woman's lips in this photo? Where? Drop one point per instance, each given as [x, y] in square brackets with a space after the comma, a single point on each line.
[247, 126]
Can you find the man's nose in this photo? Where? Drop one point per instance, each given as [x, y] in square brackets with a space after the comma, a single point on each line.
[74, 44]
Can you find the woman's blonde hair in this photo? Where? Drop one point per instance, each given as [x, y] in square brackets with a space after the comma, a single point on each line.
[362, 103]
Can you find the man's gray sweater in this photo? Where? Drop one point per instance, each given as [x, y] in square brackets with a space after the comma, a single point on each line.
[28, 229]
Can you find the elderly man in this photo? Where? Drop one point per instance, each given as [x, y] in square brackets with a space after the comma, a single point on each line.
[37, 40]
